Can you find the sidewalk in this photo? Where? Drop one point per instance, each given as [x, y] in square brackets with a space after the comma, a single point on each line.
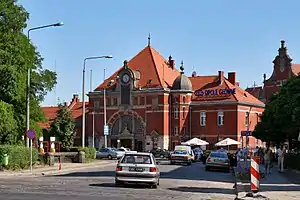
[275, 186]
[53, 170]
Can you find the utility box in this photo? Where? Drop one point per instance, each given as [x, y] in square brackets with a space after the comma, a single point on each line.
[5, 160]
[81, 157]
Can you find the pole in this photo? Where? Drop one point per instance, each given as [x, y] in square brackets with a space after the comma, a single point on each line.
[28, 97]
[28, 78]
[91, 80]
[30, 155]
[83, 104]
[93, 114]
[104, 107]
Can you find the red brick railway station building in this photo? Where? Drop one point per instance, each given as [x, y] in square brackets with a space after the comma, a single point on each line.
[150, 103]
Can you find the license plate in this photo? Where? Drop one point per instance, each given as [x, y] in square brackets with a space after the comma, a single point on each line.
[136, 169]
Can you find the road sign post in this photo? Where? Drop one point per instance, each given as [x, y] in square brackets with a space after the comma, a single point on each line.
[31, 135]
[105, 132]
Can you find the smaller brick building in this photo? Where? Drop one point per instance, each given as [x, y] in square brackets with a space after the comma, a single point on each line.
[283, 69]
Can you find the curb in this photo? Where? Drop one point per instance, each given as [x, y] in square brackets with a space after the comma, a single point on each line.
[48, 172]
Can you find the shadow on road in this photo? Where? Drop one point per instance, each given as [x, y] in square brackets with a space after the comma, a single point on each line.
[203, 190]
[112, 185]
[279, 187]
[194, 172]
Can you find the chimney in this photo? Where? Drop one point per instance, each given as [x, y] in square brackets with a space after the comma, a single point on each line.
[75, 98]
[231, 78]
[220, 77]
[171, 62]
[65, 103]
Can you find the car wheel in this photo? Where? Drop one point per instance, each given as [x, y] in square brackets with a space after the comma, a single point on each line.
[206, 168]
[109, 157]
[154, 186]
[172, 163]
[189, 163]
[158, 182]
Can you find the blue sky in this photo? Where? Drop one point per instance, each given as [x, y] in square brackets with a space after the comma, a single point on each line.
[229, 35]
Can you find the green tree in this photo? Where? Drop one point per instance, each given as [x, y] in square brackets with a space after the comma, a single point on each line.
[281, 118]
[8, 126]
[16, 55]
[63, 127]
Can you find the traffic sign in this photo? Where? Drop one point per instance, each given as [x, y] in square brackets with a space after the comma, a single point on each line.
[246, 133]
[106, 130]
[31, 134]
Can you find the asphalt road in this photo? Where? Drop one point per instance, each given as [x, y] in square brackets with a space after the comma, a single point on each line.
[176, 182]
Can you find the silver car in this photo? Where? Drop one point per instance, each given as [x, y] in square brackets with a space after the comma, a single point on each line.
[108, 153]
[137, 168]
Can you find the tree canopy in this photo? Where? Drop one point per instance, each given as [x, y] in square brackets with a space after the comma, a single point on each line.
[17, 53]
[63, 127]
[281, 118]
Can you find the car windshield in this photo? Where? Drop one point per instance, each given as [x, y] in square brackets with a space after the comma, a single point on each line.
[137, 159]
[180, 152]
[121, 149]
[218, 155]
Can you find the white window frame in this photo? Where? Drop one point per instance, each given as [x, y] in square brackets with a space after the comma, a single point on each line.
[202, 118]
[247, 119]
[176, 113]
[176, 130]
[220, 118]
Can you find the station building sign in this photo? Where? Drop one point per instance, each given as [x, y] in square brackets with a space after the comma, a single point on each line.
[215, 92]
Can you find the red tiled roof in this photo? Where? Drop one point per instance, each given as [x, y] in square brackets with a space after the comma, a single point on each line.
[296, 69]
[50, 112]
[255, 91]
[212, 83]
[152, 66]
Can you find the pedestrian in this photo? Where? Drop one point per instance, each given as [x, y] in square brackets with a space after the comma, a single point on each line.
[280, 156]
[267, 160]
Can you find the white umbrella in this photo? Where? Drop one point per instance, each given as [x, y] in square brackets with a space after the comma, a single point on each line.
[196, 141]
[227, 142]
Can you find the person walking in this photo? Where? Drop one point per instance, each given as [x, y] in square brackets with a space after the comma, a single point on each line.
[267, 160]
[280, 156]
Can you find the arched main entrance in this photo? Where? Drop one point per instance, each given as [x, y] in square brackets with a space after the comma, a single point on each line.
[127, 129]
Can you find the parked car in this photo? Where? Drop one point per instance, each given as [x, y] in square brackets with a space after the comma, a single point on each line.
[108, 153]
[217, 160]
[160, 153]
[137, 168]
[181, 156]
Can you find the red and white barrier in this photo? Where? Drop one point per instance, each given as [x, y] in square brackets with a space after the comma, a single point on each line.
[254, 170]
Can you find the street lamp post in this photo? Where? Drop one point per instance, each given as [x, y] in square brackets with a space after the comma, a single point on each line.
[28, 78]
[83, 93]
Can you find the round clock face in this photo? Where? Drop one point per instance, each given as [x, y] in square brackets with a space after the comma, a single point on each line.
[125, 78]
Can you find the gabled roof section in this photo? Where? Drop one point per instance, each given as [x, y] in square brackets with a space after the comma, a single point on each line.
[213, 83]
[296, 69]
[50, 111]
[152, 66]
[255, 91]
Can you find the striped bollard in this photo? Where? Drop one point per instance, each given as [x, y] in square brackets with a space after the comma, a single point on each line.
[254, 170]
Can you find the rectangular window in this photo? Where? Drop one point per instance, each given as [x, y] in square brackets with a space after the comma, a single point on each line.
[135, 100]
[247, 115]
[155, 103]
[220, 118]
[142, 100]
[183, 131]
[175, 113]
[202, 118]
[115, 101]
[176, 130]
[183, 113]
[96, 104]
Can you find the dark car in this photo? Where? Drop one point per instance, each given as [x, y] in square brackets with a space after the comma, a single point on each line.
[160, 153]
